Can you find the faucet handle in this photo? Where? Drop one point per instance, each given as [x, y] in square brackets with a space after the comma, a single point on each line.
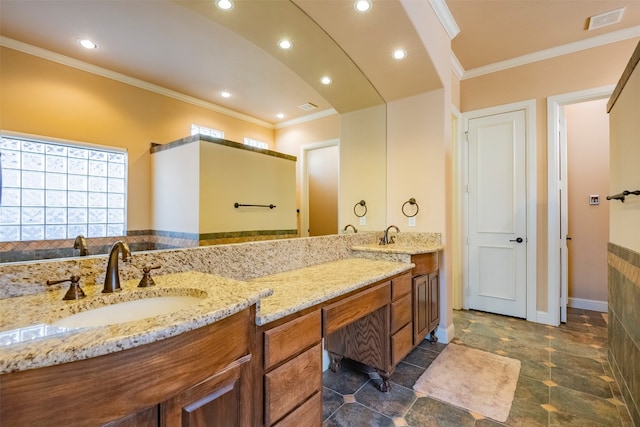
[147, 280]
[74, 292]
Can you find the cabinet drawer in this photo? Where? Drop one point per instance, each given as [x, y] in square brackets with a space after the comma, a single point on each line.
[350, 309]
[305, 414]
[400, 286]
[286, 340]
[400, 312]
[292, 383]
[401, 344]
[425, 263]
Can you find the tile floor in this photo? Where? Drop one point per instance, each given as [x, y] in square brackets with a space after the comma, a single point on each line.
[565, 379]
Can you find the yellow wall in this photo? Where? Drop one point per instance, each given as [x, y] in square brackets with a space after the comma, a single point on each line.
[415, 161]
[624, 228]
[290, 139]
[41, 97]
[230, 175]
[363, 167]
[600, 66]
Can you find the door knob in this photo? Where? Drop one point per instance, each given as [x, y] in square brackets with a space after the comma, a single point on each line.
[519, 240]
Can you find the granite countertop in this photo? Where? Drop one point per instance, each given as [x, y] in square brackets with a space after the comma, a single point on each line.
[31, 315]
[409, 248]
[275, 296]
[298, 289]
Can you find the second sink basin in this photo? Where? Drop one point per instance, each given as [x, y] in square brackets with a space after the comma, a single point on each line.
[127, 311]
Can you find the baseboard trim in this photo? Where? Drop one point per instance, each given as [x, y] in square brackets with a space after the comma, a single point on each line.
[545, 318]
[588, 304]
[445, 335]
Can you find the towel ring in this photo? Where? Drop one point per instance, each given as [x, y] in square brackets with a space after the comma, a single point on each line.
[360, 203]
[411, 201]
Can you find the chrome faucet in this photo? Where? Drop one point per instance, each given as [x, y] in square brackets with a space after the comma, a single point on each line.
[385, 239]
[355, 230]
[112, 276]
[81, 243]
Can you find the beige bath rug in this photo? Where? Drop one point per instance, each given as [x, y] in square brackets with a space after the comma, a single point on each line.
[471, 379]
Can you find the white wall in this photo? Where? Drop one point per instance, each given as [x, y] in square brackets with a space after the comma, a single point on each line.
[175, 189]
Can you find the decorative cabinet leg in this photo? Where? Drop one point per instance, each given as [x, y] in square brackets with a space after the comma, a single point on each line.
[334, 361]
[385, 385]
[432, 337]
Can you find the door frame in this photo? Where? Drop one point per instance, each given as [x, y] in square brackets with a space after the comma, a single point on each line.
[529, 108]
[557, 267]
[304, 181]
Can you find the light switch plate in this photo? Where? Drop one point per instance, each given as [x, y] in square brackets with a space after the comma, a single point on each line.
[363, 220]
[594, 199]
[412, 221]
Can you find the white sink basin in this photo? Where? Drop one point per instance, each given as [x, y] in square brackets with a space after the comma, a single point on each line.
[127, 311]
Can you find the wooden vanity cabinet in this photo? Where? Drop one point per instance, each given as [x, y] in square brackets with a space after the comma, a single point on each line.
[373, 327]
[216, 401]
[288, 384]
[401, 318]
[426, 296]
[198, 378]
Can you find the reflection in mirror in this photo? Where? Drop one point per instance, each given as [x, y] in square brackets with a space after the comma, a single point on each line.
[143, 84]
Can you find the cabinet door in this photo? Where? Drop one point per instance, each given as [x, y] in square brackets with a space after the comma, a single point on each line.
[420, 308]
[219, 401]
[434, 301]
[145, 418]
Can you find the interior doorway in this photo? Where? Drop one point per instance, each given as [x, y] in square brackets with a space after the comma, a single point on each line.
[577, 170]
[320, 188]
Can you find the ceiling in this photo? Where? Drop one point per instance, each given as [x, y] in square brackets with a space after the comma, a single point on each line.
[192, 48]
[493, 31]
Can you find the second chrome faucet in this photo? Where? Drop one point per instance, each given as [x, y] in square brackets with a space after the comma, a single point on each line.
[112, 276]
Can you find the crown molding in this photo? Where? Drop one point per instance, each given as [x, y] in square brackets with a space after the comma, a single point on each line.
[456, 66]
[103, 72]
[307, 118]
[446, 18]
[613, 37]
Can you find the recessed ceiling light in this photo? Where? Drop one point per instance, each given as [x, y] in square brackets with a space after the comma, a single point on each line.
[325, 80]
[285, 44]
[87, 44]
[225, 94]
[399, 54]
[362, 6]
[281, 115]
[224, 4]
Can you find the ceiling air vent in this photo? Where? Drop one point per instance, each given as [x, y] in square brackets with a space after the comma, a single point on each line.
[604, 19]
[308, 106]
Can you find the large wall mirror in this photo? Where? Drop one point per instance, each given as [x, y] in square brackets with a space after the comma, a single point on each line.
[186, 53]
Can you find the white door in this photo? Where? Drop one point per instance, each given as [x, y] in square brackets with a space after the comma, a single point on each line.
[497, 214]
[563, 194]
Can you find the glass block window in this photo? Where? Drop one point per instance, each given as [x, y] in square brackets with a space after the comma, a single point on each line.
[256, 143]
[55, 190]
[197, 129]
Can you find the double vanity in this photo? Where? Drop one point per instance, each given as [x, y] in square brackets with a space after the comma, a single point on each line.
[246, 348]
